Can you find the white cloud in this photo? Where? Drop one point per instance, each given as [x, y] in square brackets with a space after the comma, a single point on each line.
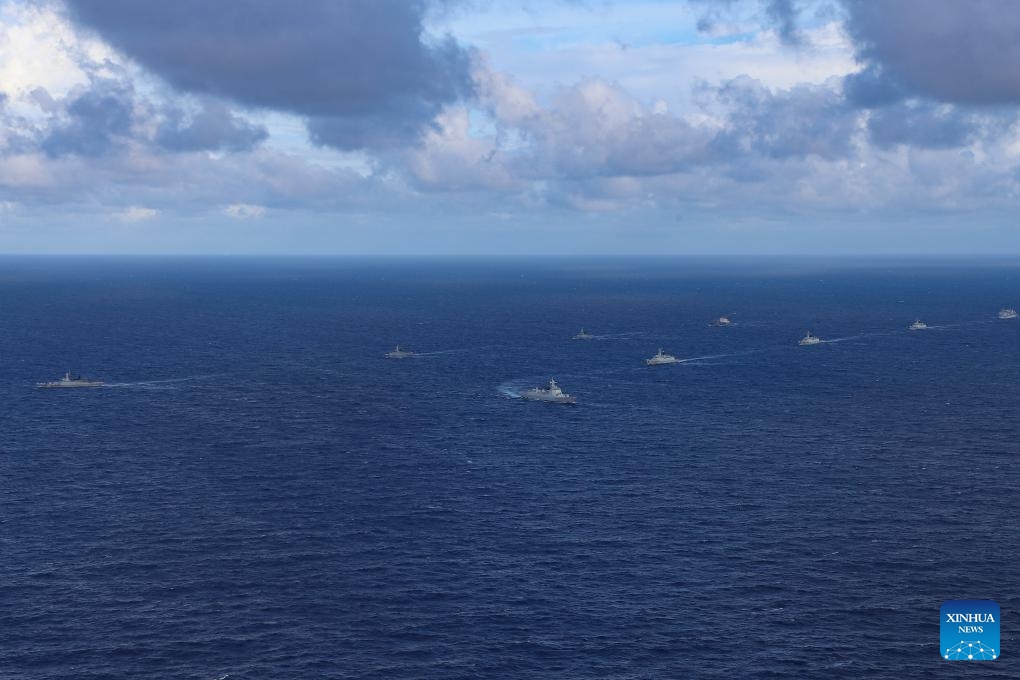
[137, 213]
[244, 211]
[39, 48]
[590, 111]
[651, 48]
[453, 158]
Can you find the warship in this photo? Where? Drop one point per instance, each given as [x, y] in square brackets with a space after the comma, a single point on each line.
[809, 340]
[552, 393]
[71, 381]
[660, 358]
[398, 353]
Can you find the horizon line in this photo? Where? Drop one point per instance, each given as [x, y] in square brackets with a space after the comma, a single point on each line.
[508, 256]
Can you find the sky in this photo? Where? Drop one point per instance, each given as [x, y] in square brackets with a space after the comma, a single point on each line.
[510, 127]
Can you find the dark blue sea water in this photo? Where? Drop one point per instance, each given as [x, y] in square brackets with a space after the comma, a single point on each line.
[259, 494]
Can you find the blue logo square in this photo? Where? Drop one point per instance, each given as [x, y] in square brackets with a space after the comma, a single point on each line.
[970, 630]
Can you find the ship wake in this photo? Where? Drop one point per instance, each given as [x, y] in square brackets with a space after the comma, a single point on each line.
[162, 384]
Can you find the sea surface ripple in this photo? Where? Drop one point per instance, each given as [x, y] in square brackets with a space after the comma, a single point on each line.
[259, 494]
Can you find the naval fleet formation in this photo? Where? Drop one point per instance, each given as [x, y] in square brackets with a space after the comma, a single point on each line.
[552, 393]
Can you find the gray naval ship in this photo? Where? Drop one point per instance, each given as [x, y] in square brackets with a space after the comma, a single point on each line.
[398, 353]
[553, 393]
[661, 358]
[809, 340]
[584, 336]
[1007, 313]
[71, 381]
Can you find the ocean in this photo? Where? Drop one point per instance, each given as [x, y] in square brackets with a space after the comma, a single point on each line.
[257, 493]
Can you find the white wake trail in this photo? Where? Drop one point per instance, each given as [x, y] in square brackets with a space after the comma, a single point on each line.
[146, 383]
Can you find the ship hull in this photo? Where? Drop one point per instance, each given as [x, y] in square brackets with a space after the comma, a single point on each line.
[532, 395]
[548, 400]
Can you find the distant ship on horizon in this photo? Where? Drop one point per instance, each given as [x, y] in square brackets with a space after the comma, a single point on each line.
[918, 326]
[71, 381]
[661, 358]
[809, 340]
[552, 394]
[398, 353]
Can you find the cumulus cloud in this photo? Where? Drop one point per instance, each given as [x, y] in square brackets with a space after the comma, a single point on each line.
[362, 72]
[782, 16]
[952, 51]
[506, 99]
[923, 125]
[94, 119]
[783, 13]
[189, 183]
[871, 87]
[596, 128]
[935, 74]
[38, 48]
[137, 214]
[452, 158]
[593, 147]
[244, 211]
[802, 121]
[107, 116]
[213, 127]
[593, 128]
[441, 131]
